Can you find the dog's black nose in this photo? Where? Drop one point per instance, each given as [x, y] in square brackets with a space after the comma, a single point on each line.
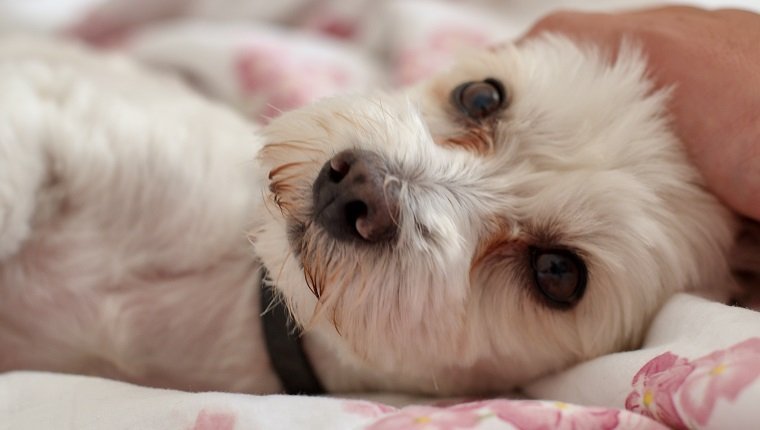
[351, 200]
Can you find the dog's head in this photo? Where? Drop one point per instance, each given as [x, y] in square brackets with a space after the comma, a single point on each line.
[523, 211]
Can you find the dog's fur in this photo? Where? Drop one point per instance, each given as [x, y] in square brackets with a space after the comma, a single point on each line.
[125, 202]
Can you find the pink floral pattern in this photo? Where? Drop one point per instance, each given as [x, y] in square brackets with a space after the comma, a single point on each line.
[654, 386]
[721, 375]
[536, 415]
[365, 408]
[427, 418]
[435, 52]
[282, 79]
[546, 415]
[681, 393]
[207, 420]
[514, 414]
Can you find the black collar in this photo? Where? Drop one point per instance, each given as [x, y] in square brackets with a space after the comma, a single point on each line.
[284, 344]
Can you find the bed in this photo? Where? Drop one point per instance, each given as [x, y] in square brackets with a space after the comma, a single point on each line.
[698, 368]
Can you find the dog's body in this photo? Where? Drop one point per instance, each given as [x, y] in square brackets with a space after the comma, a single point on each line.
[125, 205]
[125, 201]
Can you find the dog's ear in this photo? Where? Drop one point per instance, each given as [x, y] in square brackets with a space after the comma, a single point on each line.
[745, 264]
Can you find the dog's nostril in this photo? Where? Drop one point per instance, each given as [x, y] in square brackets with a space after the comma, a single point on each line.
[339, 168]
[355, 211]
[351, 201]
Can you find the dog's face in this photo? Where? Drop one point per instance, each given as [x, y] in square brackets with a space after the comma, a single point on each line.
[522, 211]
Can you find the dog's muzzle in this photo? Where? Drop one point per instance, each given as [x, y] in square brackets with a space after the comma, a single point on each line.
[353, 201]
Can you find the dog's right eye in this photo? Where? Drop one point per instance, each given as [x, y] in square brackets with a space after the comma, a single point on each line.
[560, 275]
[479, 99]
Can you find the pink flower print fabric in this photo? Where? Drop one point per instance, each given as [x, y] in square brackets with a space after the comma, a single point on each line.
[684, 394]
[655, 385]
[416, 63]
[720, 377]
[513, 414]
[427, 418]
[366, 408]
[539, 415]
[287, 81]
[210, 420]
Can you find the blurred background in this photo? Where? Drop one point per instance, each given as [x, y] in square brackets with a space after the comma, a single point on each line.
[267, 56]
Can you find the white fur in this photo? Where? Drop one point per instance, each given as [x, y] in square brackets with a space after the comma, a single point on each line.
[124, 200]
[582, 158]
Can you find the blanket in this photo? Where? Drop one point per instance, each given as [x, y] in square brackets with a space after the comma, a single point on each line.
[698, 368]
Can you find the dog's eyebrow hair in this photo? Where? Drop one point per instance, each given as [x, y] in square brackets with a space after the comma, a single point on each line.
[274, 172]
[296, 144]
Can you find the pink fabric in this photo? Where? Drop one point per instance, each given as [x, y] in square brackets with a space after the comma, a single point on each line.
[654, 386]
[315, 56]
[286, 81]
[207, 420]
[436, 51]
[682, 393]
[43, 400]
[516, 414]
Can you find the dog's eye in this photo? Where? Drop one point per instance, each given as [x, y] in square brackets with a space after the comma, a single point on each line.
[560, 275]
[479, 99]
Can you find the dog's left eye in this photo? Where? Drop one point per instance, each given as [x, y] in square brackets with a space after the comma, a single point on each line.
[479, 99]
[560, 275]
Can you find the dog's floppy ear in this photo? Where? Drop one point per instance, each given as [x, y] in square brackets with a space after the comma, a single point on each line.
[745, 263]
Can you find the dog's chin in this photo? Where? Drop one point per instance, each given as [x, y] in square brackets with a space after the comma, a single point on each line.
[509, 247]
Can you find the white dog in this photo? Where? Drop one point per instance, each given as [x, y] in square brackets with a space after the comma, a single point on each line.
[521, 212]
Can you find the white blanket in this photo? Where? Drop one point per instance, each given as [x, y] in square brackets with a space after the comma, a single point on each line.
[699, 368]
